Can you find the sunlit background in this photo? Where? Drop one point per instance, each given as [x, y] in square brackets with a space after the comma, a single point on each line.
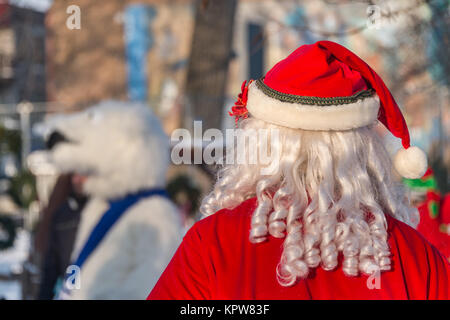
[187, 60]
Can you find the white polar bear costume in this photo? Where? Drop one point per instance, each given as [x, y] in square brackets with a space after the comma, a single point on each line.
[122, 149]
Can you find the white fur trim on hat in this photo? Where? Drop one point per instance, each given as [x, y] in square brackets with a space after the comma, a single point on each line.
[310, 117]
[411, 163]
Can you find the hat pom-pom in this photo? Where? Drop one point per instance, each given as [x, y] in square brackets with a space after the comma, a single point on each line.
[411, 163]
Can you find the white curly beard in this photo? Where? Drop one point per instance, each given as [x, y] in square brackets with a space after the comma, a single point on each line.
[328, 195]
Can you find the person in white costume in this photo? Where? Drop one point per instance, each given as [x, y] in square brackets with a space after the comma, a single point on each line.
[118, 150]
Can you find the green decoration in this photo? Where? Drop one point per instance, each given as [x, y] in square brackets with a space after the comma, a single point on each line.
[23, 189]
[433, 209]
[423, 184]
[10, 141]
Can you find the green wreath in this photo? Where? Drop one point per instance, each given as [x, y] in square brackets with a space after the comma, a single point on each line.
[23, 188]
[7, 232]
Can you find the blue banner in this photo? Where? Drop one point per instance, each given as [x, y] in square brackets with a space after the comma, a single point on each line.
[138, 41]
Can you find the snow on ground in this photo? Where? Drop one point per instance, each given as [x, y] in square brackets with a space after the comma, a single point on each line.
[11, 262]
[10, 290]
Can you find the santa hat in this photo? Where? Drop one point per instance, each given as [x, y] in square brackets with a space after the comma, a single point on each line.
[324, 86]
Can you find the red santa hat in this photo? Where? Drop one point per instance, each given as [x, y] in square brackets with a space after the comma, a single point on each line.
[324, 86]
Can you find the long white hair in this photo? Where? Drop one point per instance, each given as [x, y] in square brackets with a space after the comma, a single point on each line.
[328, 194]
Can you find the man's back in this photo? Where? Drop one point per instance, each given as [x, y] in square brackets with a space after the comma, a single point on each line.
[217, 261]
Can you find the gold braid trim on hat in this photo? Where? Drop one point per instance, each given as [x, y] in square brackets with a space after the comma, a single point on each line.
[291, 98]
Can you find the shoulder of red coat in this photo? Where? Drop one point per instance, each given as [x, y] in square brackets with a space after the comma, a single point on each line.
[407, 236]
[228, 219]
[396, 226]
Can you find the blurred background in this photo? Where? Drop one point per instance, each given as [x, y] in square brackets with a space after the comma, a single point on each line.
[187, 59]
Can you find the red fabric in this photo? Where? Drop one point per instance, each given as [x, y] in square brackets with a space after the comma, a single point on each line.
[239, 110]
[434, 212]
[431, 226]
[445, 210]
[217, 261]
[313, 71]
[327, 69]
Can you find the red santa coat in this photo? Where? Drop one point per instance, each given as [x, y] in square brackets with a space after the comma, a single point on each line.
[217, 261]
